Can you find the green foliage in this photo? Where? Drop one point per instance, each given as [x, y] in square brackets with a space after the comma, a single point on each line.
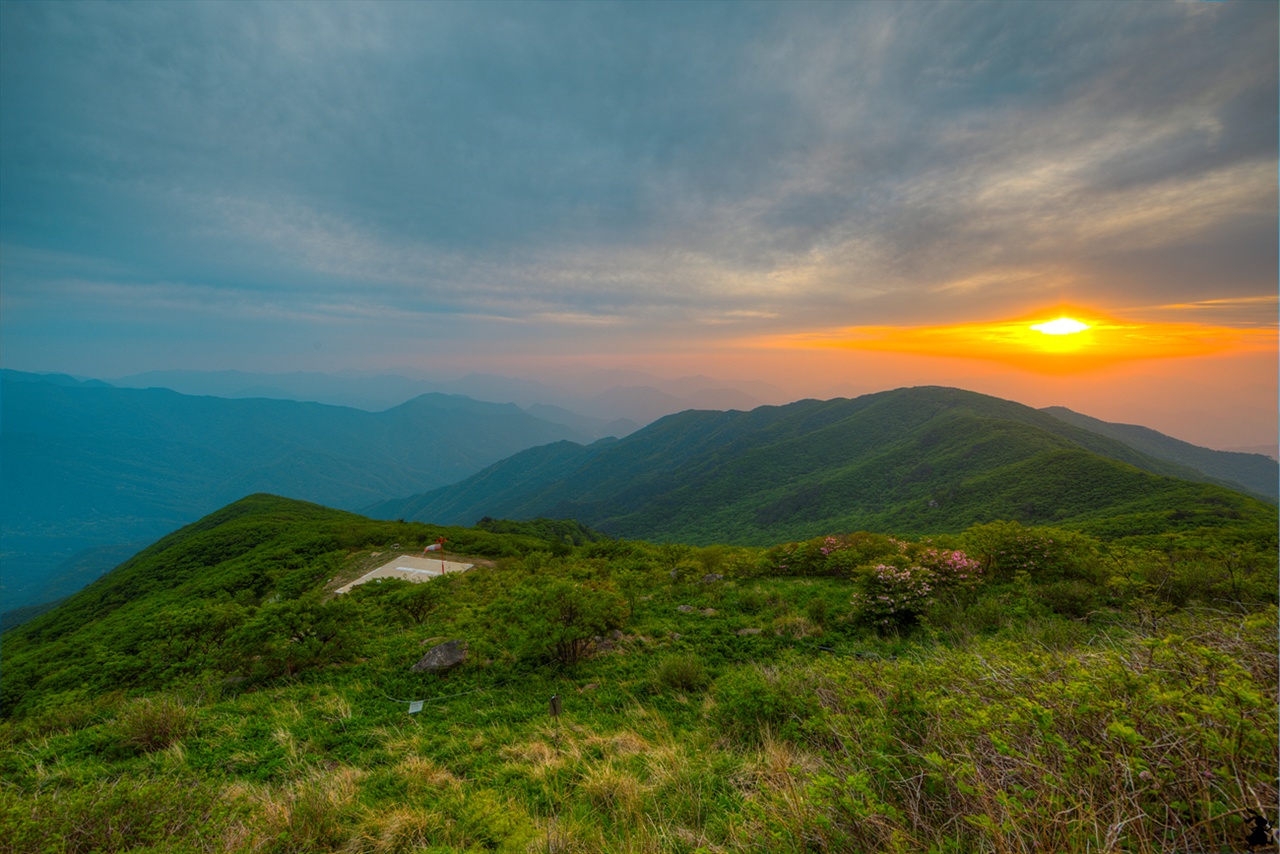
[556, 531]
[552, 616]
[681, 672]
[1046, 554]
[222, 709]
[155, 723]
[755, 703]
[909, 461]
[132, 813]
[282, 638]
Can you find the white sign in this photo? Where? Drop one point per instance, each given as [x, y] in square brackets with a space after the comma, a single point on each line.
[415, 706]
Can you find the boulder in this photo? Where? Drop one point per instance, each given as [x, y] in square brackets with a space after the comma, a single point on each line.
[712, 576]
[442, 657]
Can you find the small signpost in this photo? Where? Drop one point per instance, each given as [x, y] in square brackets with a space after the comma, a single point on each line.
[555, 705]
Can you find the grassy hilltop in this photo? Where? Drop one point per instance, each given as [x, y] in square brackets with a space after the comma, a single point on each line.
[1007, 688]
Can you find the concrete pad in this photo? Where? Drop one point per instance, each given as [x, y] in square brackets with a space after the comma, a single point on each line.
[409, 568]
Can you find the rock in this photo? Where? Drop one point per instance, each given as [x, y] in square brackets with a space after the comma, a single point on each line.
[710, 612]
[712, 576]
[748, 631]
[590, 686]
[442, 657]
[675, 573]
[684, 609]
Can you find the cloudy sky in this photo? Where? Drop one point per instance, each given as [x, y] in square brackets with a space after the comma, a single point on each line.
[825, 196]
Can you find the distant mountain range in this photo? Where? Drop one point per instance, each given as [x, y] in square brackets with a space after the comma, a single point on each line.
[90, 472]
[918, 460]
[86, 465]
[598, 403]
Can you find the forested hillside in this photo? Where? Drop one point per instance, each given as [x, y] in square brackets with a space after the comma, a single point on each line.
[920, 460]
[1006, 688]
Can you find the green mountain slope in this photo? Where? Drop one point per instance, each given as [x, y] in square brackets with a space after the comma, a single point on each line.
[89, 465]
[916, 460]
[165, 612]
[1254, 473]
[211, 693]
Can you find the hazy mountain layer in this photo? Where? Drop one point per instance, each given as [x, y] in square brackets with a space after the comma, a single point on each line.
[86, 464]
[1256, 473]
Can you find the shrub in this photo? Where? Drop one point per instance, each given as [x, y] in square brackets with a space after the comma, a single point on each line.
[1046, 554]
[684, 672]
[124, 814]
[154, 723]
[895, 595]
[754, 701]
[832, 555]
[1070, 598]
[556, 617]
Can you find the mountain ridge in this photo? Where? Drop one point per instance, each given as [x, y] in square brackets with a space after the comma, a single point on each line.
[888, 460]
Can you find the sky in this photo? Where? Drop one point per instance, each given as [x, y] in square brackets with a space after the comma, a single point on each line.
[834, 198]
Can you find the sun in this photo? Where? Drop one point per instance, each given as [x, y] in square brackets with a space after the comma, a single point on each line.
[1061, 326]
[1065, 340]
[1063, 334]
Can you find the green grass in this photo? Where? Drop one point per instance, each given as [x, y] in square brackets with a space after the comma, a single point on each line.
[1081, 697]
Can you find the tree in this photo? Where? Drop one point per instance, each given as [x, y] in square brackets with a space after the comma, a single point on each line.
[551, 617]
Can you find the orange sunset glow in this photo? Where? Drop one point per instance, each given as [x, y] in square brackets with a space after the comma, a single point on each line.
[1052, 342]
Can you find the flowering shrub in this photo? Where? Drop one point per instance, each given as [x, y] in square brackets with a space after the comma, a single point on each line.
[951, 567]
[894, 595]
[833, 555]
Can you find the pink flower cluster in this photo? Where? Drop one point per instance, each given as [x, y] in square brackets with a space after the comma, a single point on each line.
[900, 594]
[951, 568]
[895, 594]
[831, 544]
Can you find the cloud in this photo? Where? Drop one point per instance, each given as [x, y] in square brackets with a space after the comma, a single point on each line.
[645, 168]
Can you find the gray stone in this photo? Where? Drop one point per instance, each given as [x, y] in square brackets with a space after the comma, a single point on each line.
[712, 576]
[442, 657]
[684, 609]
[748, 631]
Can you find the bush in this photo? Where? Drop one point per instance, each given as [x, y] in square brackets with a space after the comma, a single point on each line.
[833, 555]
[550, 617]
[154, 723]
[1070, 598]
[895, 595]
[683, 672]
[754, 702]
[1045, 554]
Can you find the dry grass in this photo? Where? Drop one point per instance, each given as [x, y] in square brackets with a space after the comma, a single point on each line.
[314, 813]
